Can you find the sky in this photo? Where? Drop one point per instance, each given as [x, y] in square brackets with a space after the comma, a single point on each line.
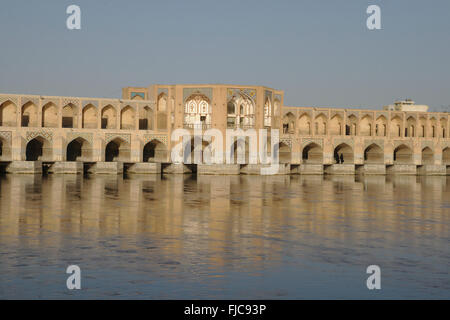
[319, 52]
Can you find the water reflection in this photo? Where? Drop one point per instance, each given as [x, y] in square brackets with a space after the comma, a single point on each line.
[223, 232]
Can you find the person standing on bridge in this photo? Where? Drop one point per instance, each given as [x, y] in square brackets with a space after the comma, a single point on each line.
[342, 158]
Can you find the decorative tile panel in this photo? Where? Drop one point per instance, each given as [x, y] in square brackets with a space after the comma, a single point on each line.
[43, 133]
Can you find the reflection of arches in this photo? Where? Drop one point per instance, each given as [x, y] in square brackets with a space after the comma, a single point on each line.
[312, 153]
[155, 151]
[127, 118]
[69, 119]
[8, 114]
[117, 150]
[446, 156]
[109, 117]
[89, 117]
[427, 156]
[50, 115]
[403, 155]
[29, 115]
[345, 151]
[5, 150]
[373, 154]
[38, 149]
[284, 152]
[78, 150]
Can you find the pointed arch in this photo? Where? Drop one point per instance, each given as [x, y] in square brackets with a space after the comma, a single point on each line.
[345, 153]
[29, 115]
[427, 156]
[69, 116]
[381, 126]
[127, 118]
[8, 114]
[289, 123]
[38, 148]
[396, 127]
[79, 149]
[161, 111]
[365, 126]
[304, 124]
[154, 151]
[89, 116]
[336, 125]
[109, 117]
[374, 154]
[146, 118]
[117, 150]
[403, 155]
[312, 154]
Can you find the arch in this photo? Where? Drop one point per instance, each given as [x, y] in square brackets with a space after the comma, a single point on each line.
[284, 152]
[444, 130]
[289, 123]
[403, 155]
[127, 118]
[336, 125]
[373, 154]
[381, 126]
[410, 130]
[117, 150]
[8, 112]
[422, 127]
[352, 125]
[320, 124]
[146, 118]
[29, 115]
[267, 113]
[155, 151]
[5, 150]
[446, 156]
[90, 117]
[196, 153]
[304, 124]
[396, 127]
[427, 156]
[38, 148]
[79, 149]
[109, 117]
[69, 116]
[50, 115]
[365, 126]
[312, 153]
[344, 152]
[161, 111]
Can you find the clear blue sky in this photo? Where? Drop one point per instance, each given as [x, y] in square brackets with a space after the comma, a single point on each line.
[319, 51]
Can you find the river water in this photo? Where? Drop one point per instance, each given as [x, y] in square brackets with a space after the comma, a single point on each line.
[224, 237]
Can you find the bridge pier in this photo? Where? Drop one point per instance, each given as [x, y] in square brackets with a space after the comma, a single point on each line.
[257, 169]
[310, 169]
[24, 167]
[218, 169]
[341, 169]
[402, 169]
[431, 170]
[106, 168]
[371, 169]
[66, 167]
[145, 168]
[178, 168]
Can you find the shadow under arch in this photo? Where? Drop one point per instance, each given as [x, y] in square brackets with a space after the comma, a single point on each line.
[117, 150]
[38, 148]
[373, 154]
[403, 155]
[312, 154]
[155, 151]
[79, 149]
[344, 152]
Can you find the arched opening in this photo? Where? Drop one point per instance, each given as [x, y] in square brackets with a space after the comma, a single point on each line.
[155, 151]
[267, 113]
[117, 150]
[146, 119]
[289, 123]
[336, 126]
[161, 111]
[29, 115]
[446, 156]
[78, 150]
[351, 127]
[403, 155]
[241, 151]
[127, 119]
[320, 125]
[284, 153]
[200, 153]
[8, 114]
[410, 130]
[365, 127]
[312, 154]
[89, 117]
[344, 153]
[304, 125]
[109, 117]
[373, 154]
[396, 127]
[69, 116]
[427, 156]
[381, 127]
[50, 116]
[38, 149]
